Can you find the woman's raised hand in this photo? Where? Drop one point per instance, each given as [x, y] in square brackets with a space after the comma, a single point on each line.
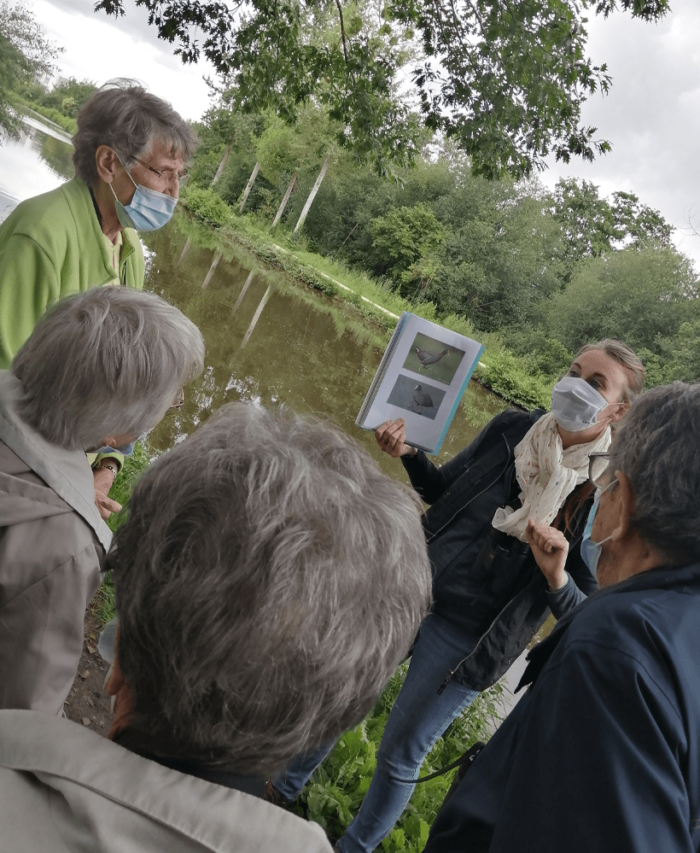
[551, 549]
[391, 438]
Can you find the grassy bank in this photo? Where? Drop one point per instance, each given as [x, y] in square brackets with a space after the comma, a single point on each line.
[68, 124]
[499, 370]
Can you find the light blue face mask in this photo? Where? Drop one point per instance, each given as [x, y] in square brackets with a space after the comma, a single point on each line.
[125, 449]
[590, 550]
[148, 210]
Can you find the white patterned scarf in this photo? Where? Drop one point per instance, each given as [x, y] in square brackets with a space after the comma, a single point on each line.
[547, 474]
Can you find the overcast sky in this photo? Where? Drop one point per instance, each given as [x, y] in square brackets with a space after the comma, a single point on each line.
[651, 116]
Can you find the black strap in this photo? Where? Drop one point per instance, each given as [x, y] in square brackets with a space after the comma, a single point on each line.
[466, 759]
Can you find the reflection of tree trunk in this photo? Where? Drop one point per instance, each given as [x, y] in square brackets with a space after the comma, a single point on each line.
[256, 317]
[185, 250]
[244, 291]
[312, 194]
[283, 204]
[222, 164]
[249, 186]
[212, 268]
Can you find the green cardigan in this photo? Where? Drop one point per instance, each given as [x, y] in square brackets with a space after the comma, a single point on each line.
[51, 246]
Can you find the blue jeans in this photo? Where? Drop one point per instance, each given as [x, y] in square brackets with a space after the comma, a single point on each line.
[419, 717]
[291, 781]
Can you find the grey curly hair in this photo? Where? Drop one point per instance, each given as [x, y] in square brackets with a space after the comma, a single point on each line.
[127, 118]
[107, 362]
[657, 448]
[269, 580]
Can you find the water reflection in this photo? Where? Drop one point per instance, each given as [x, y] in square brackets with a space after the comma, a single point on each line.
[271, 341]
[36, 162]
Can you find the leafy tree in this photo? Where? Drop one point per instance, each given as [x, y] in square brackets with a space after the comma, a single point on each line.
[502, 258]
[25, 53]
[592, 226]
[639, 223]
[69, 96]
[14, 70]
[641, 296]
[506, 79]
[406, 243]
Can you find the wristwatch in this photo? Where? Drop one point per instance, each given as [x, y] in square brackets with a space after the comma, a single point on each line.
[107, 463]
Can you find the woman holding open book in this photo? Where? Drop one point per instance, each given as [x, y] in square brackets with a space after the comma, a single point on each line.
[490, 597]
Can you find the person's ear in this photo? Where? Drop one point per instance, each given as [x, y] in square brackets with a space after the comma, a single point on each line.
[622, 505]
[107, 163]
[110, 441]
[620, 411]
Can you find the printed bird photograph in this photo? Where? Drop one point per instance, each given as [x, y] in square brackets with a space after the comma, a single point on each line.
[433, 358]
[419, 398]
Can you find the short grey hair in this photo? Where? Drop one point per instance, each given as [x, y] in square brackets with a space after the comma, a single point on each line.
[626, 357]
[106, 362]
[128, 119]
[657, 449]
[269, 580]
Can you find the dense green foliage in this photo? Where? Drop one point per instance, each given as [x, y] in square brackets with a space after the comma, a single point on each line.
[337, 789]
[505, 80]
[532, 273]
[206, 205]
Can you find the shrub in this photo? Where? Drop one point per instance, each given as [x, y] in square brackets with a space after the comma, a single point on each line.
[206, 206]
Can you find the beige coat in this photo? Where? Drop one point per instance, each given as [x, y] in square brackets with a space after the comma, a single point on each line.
[66, 788]
[52, 544]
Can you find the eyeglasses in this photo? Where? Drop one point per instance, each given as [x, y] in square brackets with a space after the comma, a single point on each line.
[598, 472]
[179, 400]
[181, 176]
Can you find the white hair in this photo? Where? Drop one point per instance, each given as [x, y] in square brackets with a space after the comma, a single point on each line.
[106, 362]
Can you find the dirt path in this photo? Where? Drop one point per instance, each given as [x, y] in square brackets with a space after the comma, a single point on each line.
[87, 702]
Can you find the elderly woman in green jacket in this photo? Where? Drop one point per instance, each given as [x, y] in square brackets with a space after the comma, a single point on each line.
[130, 150]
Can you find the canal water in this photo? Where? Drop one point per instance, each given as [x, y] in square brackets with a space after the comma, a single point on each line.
[269, 340]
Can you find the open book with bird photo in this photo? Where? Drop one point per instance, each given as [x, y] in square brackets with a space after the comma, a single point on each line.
[421, 378]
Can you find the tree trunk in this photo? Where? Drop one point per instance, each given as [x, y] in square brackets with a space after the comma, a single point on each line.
[256, 316]
[312, 194]
[243, 292]
[212, 268]
[222, 164]
[185, 250]
[249, 186]
[283, 203]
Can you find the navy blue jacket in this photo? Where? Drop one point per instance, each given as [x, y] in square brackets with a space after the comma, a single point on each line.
[602, 755]
[464, 494]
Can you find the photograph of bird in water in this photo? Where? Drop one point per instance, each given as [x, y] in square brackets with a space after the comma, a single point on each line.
[420, 398]
[430, 357]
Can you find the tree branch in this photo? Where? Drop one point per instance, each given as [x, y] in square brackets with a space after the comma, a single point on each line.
[342, 30]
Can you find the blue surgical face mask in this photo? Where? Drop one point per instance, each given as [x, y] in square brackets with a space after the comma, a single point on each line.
[590, 550]
[148, 210]
[125, 449]
[575, 404]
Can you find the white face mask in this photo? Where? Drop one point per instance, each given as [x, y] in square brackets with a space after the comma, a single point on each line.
[575, 404]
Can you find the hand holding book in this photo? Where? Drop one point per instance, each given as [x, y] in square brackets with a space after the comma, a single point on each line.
[391, 438]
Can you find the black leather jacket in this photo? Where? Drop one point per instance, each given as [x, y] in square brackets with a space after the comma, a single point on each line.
[484, 581]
